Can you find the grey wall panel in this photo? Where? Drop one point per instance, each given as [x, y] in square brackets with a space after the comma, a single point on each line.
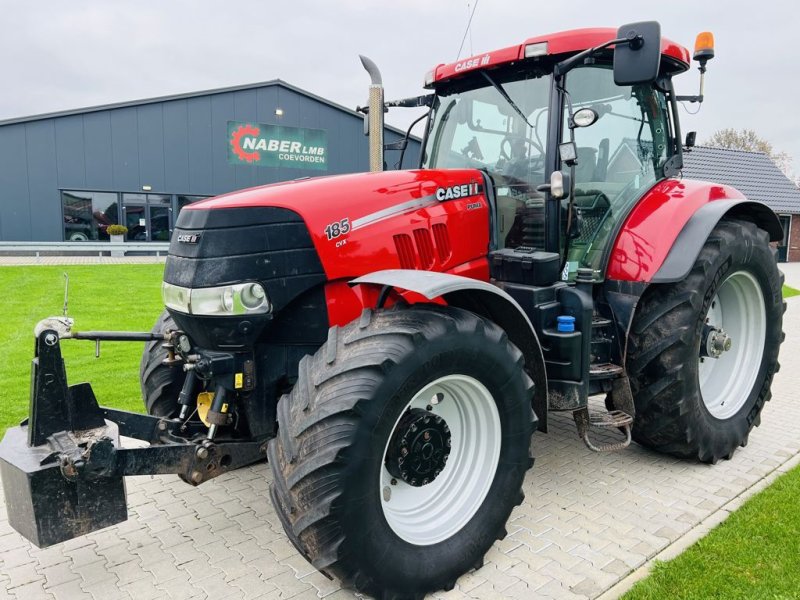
[267, 102]
[221, 110]
[245, 108]
[150, 133]
[70, 156]
[97, 150]
[46, 218]
[176, 147]
[125, 149]
[201, 144]
[15, 208]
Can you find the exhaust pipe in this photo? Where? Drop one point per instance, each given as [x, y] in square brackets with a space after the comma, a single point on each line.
[374, 117]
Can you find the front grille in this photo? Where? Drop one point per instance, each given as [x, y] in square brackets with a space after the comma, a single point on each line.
[266, 244]
[221, 246]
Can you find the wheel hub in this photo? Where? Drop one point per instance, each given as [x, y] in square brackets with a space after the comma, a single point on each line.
[419, 448]
[715, 342]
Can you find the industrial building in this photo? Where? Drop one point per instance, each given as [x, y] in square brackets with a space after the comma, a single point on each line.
[67, 176]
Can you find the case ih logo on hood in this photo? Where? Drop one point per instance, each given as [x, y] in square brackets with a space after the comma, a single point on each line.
[458, 191]
[277, 146]
[189, 238]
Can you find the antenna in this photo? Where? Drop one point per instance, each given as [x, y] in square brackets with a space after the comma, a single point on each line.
[66, 292]
[466, 31]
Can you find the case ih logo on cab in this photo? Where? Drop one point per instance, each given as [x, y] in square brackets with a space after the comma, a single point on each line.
[471, 63]
[277, 146]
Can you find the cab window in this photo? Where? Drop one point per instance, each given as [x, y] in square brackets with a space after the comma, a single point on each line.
[620, 156]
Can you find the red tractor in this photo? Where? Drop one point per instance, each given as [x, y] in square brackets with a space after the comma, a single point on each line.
[391, 340]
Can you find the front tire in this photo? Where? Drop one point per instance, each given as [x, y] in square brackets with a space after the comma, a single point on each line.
[402, 449]
[160, 384]
[697, 396]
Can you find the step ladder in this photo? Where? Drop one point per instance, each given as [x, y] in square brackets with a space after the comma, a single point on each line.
[619, 403]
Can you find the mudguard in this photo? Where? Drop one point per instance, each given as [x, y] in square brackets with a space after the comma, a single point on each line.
[663, 235]
[482, 298]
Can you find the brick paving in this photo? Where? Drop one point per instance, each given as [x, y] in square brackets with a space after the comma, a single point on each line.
[588, 520]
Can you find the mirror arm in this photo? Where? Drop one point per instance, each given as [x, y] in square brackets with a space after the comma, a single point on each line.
[698, 98]
[569, 63]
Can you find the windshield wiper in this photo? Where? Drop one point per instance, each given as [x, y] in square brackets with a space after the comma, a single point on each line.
[507, 98]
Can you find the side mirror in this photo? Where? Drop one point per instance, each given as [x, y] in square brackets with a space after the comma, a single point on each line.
[559, 185]
[691, 137]
[638, 60]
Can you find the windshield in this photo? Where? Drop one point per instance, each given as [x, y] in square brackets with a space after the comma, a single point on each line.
[479, 128]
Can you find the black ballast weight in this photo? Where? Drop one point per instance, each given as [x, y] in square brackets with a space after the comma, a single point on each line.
[63, 468]
[47, 499]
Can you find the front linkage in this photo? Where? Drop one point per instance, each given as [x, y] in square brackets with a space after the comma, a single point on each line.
[63, 467]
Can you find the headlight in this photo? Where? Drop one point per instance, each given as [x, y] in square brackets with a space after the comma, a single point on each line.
[225, 300]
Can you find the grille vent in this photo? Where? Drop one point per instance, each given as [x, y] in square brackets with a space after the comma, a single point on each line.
[442, 241]
[405, 251]
[422, 237]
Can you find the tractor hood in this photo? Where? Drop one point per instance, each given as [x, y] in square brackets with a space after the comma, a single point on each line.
[346, 215]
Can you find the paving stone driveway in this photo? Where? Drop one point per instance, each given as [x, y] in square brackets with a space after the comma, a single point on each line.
[587, 521]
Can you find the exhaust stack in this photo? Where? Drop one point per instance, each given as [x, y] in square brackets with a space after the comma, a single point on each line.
[374, 117]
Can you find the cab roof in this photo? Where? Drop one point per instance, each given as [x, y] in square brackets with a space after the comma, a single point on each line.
[563, 42]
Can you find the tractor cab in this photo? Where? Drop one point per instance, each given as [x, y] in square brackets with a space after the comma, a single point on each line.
[569, 141]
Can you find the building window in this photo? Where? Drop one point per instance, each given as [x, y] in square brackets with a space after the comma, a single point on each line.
[87, 215]
[148, 217]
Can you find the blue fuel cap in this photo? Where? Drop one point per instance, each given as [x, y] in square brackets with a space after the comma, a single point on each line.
[566, 323]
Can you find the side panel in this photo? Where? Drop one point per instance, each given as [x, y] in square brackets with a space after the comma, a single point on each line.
[653, 226]
[373, 221]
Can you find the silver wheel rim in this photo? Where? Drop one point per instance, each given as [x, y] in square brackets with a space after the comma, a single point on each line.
[435, 512]
[738, 308]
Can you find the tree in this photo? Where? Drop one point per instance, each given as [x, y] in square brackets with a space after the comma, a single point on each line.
[749, 140]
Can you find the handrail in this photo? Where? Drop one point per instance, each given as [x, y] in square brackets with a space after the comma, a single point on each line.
[115, 248]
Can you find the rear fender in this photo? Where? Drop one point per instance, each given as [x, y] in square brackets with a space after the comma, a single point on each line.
[481, 298]
[664, 233]
[694, 234]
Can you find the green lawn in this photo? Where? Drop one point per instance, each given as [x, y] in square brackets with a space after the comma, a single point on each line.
[754, 554]
[788, 292]
[121, 297]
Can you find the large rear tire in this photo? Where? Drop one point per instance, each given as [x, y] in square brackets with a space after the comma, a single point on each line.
[160, 383]
[402, 449]
[696, 395]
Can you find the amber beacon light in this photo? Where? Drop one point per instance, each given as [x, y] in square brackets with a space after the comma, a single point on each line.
[704, 47]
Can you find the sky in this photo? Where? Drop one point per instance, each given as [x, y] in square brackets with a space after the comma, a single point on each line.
[60, 55]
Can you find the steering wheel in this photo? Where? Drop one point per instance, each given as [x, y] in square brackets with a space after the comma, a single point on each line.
[510, 139]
